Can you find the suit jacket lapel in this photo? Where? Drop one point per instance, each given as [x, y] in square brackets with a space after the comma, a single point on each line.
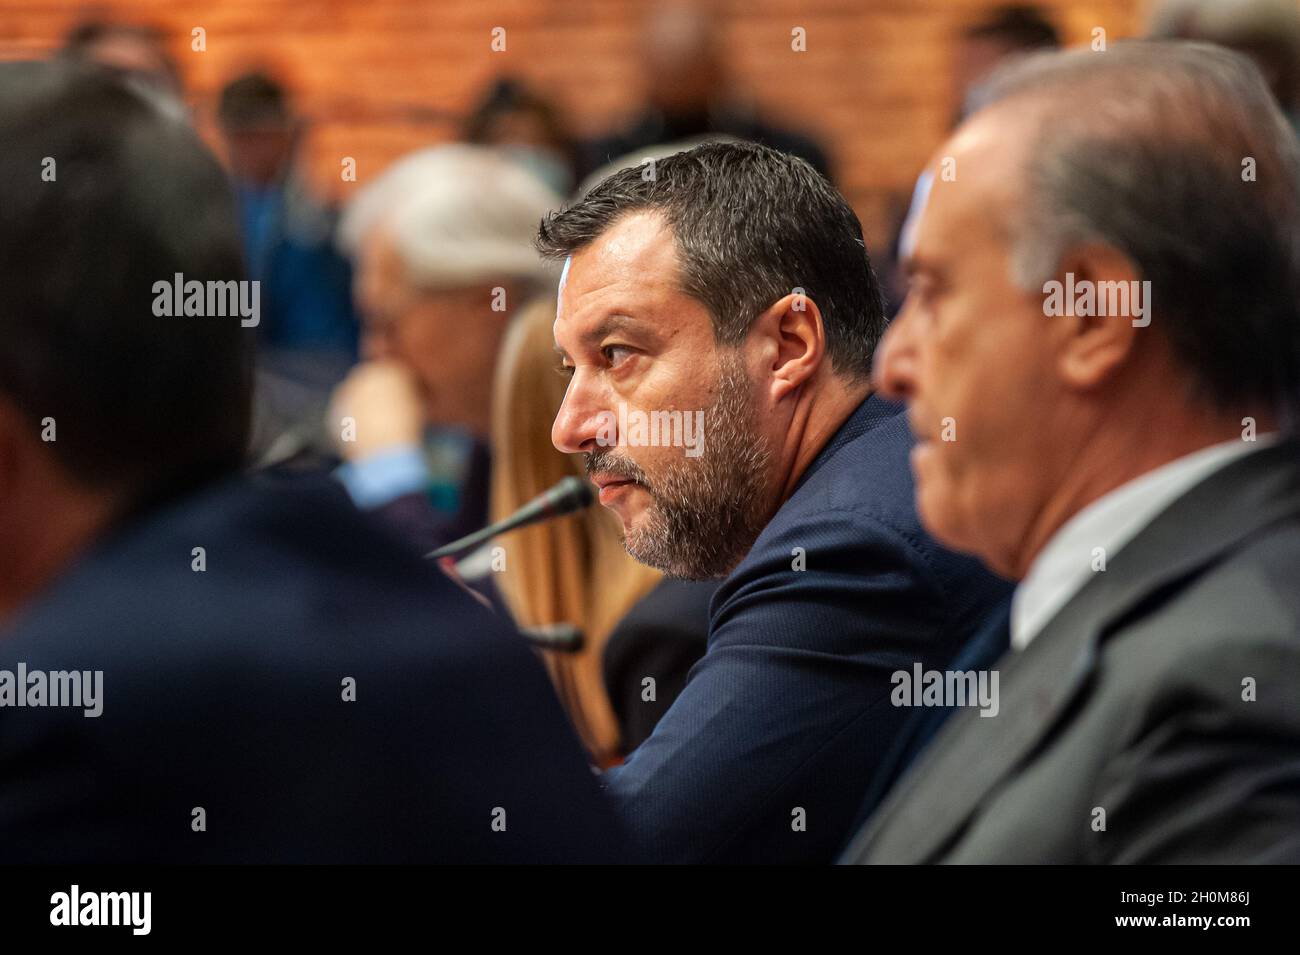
[973, 754]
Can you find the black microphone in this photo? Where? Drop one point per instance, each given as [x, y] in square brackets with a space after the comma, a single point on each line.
[569, 495]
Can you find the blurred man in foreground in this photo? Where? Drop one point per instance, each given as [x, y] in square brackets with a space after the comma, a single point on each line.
[194, 665]
[731, 289]
[1104, 302]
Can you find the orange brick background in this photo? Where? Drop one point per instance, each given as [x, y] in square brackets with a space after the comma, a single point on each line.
[380, 77]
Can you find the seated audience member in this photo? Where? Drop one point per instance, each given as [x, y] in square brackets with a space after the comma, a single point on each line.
[1268, 31]
[523, 124]
[1001, 35]
[732, 290]
[307, 331]
[197, 666]
[998, 37]
[573, 570]
[442, 243]
[135, 51]
[690, 93]
[288, 235]
[1106, 306]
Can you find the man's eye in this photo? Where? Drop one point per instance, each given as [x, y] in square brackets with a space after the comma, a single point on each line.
[615, 353]
[563, 370]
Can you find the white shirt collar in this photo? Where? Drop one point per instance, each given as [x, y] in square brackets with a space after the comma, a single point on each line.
[1096, 534]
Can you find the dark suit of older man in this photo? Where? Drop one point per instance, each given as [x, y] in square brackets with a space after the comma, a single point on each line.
[1131, 467]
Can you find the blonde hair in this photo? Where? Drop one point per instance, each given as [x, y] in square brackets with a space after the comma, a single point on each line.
[570, 570]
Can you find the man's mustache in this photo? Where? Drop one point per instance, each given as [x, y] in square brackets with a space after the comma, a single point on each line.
[605, 461]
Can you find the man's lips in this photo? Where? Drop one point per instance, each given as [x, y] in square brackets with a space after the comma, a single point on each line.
[610, 487]
[603, 481]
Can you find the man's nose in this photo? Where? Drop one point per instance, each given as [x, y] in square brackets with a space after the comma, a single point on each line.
[577, 421]
[893, 371]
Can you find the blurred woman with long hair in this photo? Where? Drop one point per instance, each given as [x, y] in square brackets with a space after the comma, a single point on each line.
[570, 570]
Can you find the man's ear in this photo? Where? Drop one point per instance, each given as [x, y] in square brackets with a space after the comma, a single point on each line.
[1101, 319]
[791, 343]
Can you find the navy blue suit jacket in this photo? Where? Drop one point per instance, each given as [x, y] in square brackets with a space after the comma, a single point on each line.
[769, 750]
[223, 690]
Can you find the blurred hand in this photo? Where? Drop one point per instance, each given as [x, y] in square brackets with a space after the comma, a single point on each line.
[384, 400]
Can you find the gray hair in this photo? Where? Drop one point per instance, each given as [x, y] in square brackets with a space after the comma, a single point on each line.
[1146, 148]
[456, 214]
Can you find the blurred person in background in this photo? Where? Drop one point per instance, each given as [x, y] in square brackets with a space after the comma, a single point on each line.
[442, 245]
[1268, 31]
[1001, 35]
[219, 667]
[689, 94]
[135, 51]
[308, 329]
[527, 127]
[574, 569]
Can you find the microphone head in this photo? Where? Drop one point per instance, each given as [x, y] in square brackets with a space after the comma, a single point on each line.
[568, 495]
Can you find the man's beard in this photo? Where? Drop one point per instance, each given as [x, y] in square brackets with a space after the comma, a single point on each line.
[705, 512]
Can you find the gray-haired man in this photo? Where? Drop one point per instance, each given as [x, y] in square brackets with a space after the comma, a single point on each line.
[1103, 308]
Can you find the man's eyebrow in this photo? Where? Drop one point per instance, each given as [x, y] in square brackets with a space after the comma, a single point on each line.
[615, 321]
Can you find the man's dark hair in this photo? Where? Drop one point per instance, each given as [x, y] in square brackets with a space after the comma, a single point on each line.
[103, 196]
[1018, 27]
[254, 99]
[751, 225]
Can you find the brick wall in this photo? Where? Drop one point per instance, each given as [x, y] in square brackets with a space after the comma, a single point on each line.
[380, 77]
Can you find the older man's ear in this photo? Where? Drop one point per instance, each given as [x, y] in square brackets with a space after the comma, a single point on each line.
[1095, 341]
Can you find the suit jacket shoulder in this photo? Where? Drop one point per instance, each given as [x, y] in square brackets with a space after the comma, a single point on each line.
[769, 749]
[1156, 718]
[275, 664]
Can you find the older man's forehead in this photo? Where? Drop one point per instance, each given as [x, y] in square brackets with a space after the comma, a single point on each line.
[974, 178]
